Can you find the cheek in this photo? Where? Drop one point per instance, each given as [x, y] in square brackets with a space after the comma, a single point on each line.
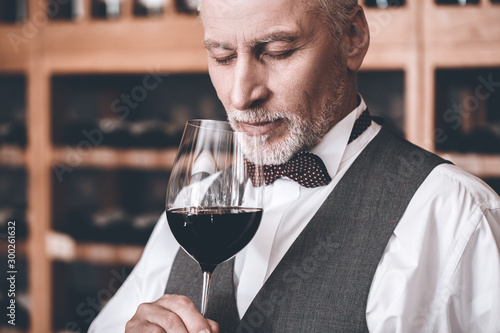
[311, 72]
[301, 90]
[321, 82]
[290, 86]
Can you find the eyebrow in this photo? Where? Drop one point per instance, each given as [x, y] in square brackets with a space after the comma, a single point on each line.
[212, 44]
[278, 36]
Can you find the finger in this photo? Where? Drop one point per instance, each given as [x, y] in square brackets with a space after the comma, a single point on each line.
[186, 310]
[144, 327]
[213, 326]
[156, 314]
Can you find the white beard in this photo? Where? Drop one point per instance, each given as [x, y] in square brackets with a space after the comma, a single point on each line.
[303, 132]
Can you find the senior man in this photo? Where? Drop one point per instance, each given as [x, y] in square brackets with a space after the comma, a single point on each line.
[396, 239]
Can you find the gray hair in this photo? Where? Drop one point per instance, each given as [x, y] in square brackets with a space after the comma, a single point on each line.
[335, 13]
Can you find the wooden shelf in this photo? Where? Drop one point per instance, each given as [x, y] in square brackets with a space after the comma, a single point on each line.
[15, 49]
[61, 247]
[457, 36]
[451, 37]
[392, 34]
[131, 46]
[20, 248]
[12, 156]
[457, 25]
[481, 165]
[12, 330]
[109, 254]
[109, 158]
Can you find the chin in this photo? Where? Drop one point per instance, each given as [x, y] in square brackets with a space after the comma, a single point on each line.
[280, 151]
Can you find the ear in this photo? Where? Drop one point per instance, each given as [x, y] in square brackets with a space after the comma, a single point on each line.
[356, 39]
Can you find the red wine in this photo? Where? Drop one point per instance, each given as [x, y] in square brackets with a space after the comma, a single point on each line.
[212, 235]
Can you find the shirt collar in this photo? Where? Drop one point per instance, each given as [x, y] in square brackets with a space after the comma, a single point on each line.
[332, 147]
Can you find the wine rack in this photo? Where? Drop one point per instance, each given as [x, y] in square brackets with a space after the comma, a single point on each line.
[109, 206]
[145, 111]
[468, 110]
[81, 290]
[13, 115]
[383, 92]
[80, 160]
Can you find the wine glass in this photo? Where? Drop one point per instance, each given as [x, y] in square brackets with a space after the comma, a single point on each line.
[215, 194]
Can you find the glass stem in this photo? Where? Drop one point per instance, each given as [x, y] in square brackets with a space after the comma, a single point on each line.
[206, 288]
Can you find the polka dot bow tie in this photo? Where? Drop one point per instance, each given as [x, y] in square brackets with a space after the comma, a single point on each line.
[305, 168]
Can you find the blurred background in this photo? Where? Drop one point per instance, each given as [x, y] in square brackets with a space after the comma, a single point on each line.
[94, 96]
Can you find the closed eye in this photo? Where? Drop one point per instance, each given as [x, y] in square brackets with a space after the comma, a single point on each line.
[279, 55]
[224, 60]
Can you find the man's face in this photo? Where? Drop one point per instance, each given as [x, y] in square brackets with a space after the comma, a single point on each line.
[275, 66]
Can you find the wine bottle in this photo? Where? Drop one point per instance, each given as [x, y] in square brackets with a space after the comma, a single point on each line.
[12, 11]
[148, 134]
[13, 132]
[149, 7]
[384, 3]
[18, 217]
[457, 2]
[116, 132]
[109, 9]
[65, 10]
[187, 6]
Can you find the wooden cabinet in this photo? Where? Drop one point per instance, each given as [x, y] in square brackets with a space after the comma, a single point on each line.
[411, 42]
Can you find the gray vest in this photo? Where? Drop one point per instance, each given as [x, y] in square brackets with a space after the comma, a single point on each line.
[322, 282]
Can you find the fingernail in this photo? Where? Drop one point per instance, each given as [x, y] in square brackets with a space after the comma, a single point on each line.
[205, 331]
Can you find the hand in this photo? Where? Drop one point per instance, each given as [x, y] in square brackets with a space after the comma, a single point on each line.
[172, 314]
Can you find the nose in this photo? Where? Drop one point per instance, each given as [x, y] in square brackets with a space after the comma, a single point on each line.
[249, 83]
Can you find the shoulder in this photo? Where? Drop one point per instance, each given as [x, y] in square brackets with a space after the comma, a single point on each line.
[450, 183]
[449, 205]
[403, 159]
[443, 253]
[462, 233]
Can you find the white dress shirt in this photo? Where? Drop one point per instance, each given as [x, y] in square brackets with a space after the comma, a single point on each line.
[440, 271]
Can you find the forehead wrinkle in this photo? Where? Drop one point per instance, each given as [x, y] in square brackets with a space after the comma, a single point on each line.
[276, 36]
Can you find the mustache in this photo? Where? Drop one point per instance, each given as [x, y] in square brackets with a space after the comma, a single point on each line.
[256, 115]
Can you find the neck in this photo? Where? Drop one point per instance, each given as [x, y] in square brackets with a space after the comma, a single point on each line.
[349, 102]
[351, 96]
